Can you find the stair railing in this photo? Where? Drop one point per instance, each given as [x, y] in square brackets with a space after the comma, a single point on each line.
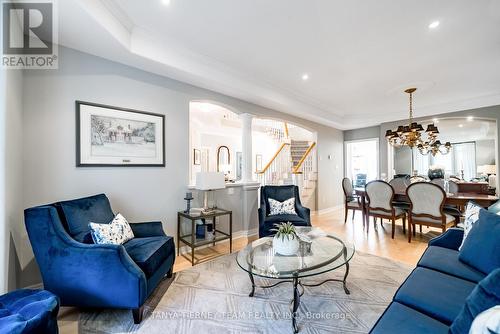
[306, 167]
[278, 168]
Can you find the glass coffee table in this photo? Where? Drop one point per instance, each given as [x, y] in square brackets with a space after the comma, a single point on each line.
[319, 253]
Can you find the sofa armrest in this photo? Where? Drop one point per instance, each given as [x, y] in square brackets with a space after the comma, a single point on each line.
[147, 229]
[451, 239]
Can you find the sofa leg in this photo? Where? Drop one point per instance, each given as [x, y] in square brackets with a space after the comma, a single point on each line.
[170, 272]
[137, 314]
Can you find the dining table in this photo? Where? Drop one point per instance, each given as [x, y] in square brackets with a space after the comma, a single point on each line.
[458, 199]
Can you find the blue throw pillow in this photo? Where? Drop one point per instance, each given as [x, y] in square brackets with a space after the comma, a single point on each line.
[484, 296]
[481, 249]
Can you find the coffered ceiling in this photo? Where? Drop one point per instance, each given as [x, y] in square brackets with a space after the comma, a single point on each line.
[357, 56]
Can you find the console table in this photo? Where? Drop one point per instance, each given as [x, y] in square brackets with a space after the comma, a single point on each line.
[190, 239]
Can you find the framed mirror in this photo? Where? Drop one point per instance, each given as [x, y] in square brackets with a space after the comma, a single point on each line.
[223, 159]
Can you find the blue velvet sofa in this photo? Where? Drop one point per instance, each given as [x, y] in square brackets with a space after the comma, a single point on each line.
[442, 290]
[280, 193]
[84, 274]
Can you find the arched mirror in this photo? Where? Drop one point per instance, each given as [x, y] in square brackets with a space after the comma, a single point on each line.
[223, 159]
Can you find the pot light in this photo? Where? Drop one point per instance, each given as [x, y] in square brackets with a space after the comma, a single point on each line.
[305, 76]
[165, 2]
[434, 25]
[435, 120]
[460, 125]
[470, 118]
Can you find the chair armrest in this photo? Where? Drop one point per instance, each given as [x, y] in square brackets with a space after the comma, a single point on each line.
[147, 229]
[304, 213]
[451, 239]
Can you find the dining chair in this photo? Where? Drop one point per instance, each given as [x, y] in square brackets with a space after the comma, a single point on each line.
[351, 201]
[439, 182]
[427, 207]
[418, 178]
[453, 210]
[399, 184]
[380, 195]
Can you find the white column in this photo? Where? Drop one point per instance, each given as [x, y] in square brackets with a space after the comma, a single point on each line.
[246, 147]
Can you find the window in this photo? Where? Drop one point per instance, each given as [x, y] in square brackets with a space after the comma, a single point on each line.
[362, 160]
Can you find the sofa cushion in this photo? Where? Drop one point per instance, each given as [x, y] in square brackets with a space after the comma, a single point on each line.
[481, 249]
[149, 253]
[79, 213]
[402, 319]
[484, 296]
[438, 295]
[446, 260]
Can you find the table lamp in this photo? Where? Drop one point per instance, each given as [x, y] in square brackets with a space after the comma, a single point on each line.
[209, 181]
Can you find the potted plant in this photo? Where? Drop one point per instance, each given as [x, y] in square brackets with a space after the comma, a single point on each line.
[285, 241]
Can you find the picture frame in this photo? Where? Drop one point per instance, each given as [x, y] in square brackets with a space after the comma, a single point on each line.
[110, 136]
[196, 157]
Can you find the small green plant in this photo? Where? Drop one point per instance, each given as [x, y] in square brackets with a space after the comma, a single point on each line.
[285, 230]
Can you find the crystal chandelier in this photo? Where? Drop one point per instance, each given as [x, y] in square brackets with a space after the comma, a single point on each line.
[411, 135]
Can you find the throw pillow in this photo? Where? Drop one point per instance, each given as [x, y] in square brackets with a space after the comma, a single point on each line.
[481, 249]
[471, 217]
[487, 322]
[485, 295]
[115, 233]
[286, 207]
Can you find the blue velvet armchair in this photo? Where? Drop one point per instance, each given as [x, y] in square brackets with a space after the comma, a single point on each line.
[84, 274]
[280, 193]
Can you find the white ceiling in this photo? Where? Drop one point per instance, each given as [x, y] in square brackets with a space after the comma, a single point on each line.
[360, 55]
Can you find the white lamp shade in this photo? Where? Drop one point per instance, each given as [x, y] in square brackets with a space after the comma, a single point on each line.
[210, 180]
[490, 169]
[480, 169]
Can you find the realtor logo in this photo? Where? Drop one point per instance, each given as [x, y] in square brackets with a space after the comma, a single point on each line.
[29, 34]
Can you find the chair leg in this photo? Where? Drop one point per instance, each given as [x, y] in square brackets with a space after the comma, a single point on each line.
[353, 213]
[409, 229]
[404, 225]
[420, 228]
[415, 230]
[137, 314]
[170, 272]
[393, 226]
[443, 228]
[345, 217]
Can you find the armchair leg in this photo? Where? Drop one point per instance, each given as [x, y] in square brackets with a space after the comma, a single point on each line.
[345, 215]
[170, 272]
[137, 314]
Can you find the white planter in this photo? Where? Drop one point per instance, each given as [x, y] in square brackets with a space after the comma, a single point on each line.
[286, 246]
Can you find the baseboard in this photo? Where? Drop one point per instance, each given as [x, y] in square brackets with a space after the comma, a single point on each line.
[236, 235]
[329, 210]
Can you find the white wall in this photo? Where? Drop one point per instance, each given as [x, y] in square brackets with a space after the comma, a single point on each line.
[139, 193]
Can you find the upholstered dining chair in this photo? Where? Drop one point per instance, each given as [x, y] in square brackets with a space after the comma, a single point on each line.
[427, 207]
[399, 184]
[380, 195]
[351, 201]
[439, 182]
[449, 209]
[418, 178]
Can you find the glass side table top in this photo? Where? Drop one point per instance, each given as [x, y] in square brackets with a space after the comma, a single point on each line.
[327, 252]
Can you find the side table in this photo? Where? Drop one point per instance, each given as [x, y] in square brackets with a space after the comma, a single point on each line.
[190, 239]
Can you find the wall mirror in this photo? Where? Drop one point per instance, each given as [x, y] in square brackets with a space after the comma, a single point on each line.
[223, 159]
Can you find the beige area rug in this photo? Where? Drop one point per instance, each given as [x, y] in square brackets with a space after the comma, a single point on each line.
[213, 298]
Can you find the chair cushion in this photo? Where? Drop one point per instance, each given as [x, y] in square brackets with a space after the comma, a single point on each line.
[449, 219]
[149, 253]
[285, 218]
[446, 261]
[481, 249]
[435, 294]
[28, 311]
[402, 319]
[353, 204]
[79, 213]
[397, 211]
[484, 296]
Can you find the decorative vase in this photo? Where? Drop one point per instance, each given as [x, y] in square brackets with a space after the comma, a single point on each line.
[286, 246]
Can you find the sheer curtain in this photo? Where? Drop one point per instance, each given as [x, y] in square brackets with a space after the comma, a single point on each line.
[420, 162]
[464, 158]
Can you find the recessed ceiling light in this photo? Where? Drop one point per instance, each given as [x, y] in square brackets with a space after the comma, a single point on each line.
[434, 25]
[435, 120]
[165, 2]
[470, 118]
[460, 125]
[305, 76]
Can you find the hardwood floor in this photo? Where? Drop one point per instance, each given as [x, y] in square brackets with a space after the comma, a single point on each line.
[375, 241]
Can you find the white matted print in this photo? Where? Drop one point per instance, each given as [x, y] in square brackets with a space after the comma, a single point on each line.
[113, 136]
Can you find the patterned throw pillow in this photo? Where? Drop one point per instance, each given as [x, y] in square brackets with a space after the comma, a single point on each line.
[471, 217]
[282, 208]
[115, 233]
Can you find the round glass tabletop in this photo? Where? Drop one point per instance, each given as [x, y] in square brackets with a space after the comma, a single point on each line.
[322, 253]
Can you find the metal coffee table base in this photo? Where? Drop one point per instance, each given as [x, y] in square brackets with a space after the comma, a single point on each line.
[294, 304]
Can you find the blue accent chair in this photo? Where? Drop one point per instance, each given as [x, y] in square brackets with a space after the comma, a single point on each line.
[84, 274]
[436, 296]
[280, 193]
[29, 311]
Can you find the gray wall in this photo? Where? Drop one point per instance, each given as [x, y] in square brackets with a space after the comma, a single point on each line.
[140, 193]
[363, 133]
[485, 152]
[402, 160]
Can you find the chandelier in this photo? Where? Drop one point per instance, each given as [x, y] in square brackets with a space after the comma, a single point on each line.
[412, 135]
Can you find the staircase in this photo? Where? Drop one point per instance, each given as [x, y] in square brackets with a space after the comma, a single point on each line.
[294, 163]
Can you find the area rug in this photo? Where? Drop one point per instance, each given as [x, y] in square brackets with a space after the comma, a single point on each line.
[213, 298]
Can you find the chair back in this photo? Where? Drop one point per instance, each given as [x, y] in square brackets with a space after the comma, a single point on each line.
[426, 199]
[347, 187]
[279, 193]
[418, 178]
[452, 187]
[400, 184]
[380, 195]
[439, 182]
